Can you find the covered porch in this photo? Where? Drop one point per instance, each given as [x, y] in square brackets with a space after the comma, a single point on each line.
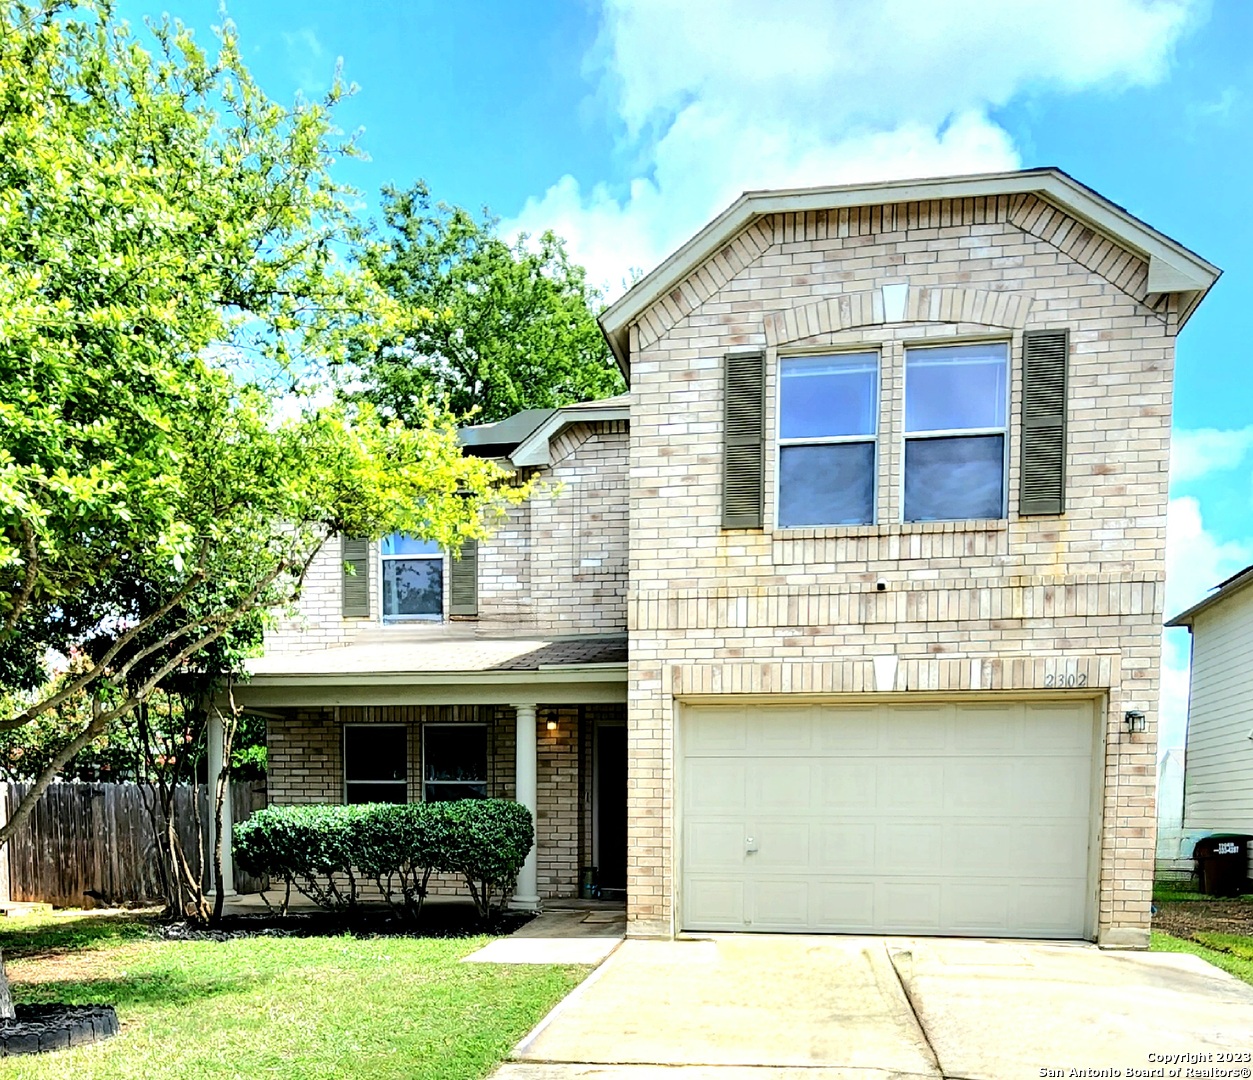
[541, 721]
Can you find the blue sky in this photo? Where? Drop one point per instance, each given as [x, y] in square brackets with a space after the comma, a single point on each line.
[625, 125]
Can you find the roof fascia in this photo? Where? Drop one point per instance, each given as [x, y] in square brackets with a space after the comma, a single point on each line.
[535, 449]
[1237, 584]
[1172, 267]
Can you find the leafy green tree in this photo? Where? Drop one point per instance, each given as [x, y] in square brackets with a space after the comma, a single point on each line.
[178, 280]
[493, 328]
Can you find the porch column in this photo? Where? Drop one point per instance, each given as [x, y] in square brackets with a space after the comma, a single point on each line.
[526, 895]
[217, 742]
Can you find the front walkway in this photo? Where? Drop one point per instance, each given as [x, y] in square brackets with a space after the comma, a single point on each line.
[822, 1008]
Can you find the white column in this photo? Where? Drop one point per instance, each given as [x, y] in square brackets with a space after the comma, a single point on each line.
[217, 741]
[526, 895]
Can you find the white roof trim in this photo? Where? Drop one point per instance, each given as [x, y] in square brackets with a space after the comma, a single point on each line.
[535, 448]
[1172, 267]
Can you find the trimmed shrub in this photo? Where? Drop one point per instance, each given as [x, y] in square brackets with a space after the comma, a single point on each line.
[325, 851]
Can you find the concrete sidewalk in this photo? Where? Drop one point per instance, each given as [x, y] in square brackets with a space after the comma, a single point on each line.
[575, 934]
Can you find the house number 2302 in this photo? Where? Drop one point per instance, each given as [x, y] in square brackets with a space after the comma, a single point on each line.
[1069, 681]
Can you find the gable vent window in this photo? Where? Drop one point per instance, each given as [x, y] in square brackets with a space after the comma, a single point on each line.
[828, 423]
[413, 578]
[956, 400]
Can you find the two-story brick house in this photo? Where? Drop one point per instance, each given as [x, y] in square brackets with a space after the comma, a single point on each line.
[882, 520]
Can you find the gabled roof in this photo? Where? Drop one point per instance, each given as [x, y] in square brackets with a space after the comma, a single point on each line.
[1172, 267]
[534, 449]
[499, 438]
[1222, 591]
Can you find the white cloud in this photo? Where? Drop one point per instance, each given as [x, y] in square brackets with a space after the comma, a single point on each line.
[307, 62]
[718, 96]
[1196, 561]
[1193, 454]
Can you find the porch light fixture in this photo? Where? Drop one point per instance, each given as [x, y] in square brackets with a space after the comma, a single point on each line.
[1135, 721]
[551, 725]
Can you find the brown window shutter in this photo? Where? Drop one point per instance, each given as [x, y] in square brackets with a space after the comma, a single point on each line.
[1043, 482]
[463, 581]
[743, 441]
[356, 576]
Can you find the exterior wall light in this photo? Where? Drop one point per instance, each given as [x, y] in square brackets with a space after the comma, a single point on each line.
[551, 725]
[1135, 721]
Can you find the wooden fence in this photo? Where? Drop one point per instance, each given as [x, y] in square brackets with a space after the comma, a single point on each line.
[92, 845]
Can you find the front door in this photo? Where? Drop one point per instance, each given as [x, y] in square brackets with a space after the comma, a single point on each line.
[610, 809]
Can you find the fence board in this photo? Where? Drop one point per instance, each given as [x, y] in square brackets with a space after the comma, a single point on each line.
[92, 845]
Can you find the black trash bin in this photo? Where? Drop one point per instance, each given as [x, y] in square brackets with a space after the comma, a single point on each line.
[1222, 864]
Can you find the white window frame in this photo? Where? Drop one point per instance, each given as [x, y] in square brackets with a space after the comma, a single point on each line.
[487, 756]
[384, 559]
[827, 440]
[343, 759]
[950, 433]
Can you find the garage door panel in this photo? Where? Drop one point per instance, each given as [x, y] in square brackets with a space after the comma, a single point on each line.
[783, 788]
[958, 818]
[845, 847]
[844, 905]
[845, 786]
[713, 845]
[719, 900]
[717, 786]
[781, 902]
[782, 845]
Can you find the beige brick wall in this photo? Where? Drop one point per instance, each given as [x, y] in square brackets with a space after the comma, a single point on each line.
[557, 565]
[973, 606]
[306, 766]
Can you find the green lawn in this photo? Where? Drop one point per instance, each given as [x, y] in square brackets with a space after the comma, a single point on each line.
[282, 1007]
[1231, 952]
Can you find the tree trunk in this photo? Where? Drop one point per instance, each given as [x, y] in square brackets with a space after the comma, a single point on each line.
[6, 999]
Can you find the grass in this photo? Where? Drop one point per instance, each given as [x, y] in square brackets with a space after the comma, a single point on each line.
[1175, 891]
[1231, 952]
[275, 1007]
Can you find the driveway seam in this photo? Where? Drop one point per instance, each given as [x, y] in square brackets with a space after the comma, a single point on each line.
[909, 1000]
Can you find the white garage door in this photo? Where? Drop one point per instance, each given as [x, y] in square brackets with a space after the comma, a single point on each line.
[968, 819]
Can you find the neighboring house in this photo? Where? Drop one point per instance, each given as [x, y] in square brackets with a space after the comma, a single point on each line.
[838, 620]
[1174, 853]
[1218, 782]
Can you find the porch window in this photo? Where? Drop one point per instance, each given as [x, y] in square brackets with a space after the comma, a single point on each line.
[413, 578]
[374, 763]
[454, 762]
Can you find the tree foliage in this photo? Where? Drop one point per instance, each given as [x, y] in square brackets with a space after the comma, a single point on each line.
[494, 328]
[178, 280]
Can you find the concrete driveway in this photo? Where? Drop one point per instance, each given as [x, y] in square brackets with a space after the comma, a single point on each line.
[735, 1007]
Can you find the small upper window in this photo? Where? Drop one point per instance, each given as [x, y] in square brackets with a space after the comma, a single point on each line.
[956, 401]
[413, 578]
[828, 420]
[454, 762]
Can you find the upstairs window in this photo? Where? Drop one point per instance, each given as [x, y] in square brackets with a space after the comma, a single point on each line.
[413, 578]
[956, 402]
[454, 762]
[828, 423]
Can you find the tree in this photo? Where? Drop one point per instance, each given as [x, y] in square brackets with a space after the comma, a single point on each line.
[179, 279]
[494, 328]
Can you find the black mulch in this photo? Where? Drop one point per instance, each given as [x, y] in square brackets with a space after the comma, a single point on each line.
[436, 921]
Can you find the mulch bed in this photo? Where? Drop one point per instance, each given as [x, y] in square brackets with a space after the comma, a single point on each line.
[436, 921]
[1185, 918]
[39, 1028]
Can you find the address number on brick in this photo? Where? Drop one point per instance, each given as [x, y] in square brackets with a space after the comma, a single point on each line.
[1069, 681]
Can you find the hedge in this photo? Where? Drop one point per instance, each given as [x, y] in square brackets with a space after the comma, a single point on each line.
[327, 851]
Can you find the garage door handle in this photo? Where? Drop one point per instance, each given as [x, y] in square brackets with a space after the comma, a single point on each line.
[750, 844]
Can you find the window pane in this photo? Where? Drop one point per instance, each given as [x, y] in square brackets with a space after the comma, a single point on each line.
[822, 396]
[449, 792]
[413, 587]
[357, 794]
[456, 752]
[826, 485]
[374, 753]
[958, 386]
[399, 544]
[951, 479]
